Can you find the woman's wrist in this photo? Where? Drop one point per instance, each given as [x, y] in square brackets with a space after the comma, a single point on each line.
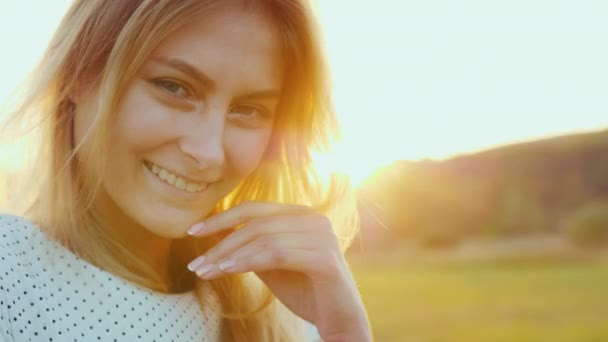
[356, 328]
[346, 319]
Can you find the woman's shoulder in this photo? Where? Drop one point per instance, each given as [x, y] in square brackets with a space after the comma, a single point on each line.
[14, 229]
[16, 234]
[9, 220]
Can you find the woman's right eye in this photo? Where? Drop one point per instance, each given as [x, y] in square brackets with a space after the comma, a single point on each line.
[173, 88]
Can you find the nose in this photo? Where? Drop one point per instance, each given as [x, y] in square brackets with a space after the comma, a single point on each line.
[203, 141]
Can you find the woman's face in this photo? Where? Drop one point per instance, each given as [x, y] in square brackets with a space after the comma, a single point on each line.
[193, 123]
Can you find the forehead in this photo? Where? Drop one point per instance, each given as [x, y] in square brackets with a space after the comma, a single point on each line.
[234, 46]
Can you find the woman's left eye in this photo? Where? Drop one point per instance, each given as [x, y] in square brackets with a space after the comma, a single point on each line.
[249, 111]
[251, 116]
[173, 88]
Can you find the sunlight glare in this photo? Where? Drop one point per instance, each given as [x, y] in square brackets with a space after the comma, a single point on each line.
[347, 159]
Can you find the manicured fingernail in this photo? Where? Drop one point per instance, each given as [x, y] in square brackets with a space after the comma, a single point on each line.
[194, 264]
[197, 228]
[226, 265]
[205, 271]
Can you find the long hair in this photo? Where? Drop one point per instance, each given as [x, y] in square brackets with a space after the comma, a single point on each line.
[105, 43]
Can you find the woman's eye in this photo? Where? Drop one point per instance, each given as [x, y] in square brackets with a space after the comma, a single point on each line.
[251, 116]
[246, 110]
[173, 88]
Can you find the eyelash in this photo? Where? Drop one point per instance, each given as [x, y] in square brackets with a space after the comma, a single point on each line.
[162, 83]
[261, 111]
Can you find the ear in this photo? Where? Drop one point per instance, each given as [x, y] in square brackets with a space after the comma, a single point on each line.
[67, 108]
[71, 107]
[67, 111]
[81, 88]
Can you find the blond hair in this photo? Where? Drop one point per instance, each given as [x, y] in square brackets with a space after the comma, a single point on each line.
[105, 43]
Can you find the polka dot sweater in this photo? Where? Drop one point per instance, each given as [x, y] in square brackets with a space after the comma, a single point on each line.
[48, 293]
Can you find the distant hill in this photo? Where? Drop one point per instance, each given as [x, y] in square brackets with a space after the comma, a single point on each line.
[521, 188]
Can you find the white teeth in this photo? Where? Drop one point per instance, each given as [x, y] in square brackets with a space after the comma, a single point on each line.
[180, 184]
[174, 180]
[163, 174]
[171, 179]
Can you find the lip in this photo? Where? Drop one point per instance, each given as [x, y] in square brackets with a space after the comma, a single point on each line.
[174, 192]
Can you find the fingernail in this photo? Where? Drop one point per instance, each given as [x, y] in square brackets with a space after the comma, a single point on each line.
[226, 265]
[205, 271]
[197, 228]
[194, 264]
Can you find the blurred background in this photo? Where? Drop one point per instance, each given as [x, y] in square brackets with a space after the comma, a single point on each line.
[476, 133]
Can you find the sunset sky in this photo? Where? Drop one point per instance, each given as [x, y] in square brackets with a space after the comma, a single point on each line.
[423, 79]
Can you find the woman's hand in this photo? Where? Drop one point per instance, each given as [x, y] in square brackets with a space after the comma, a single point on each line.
[295, 252]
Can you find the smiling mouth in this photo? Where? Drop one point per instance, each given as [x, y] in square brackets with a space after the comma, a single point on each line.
[175, 180]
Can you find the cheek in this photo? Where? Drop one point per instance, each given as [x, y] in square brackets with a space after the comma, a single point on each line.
[245, 148]
[140, 123]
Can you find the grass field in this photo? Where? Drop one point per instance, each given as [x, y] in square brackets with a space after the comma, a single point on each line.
[491, 301]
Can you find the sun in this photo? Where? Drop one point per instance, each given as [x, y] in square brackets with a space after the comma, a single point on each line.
[347, 158]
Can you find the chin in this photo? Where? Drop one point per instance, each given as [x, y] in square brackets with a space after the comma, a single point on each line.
[172, 223]
[171, 229]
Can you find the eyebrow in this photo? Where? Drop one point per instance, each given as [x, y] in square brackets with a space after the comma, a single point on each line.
[190, 70]
[260, 95]
[187, 69]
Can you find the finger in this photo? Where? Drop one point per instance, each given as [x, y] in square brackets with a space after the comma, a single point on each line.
[211, 269]
[270, 242]
[304, 227]
[242, 213]
[270, 232]
[257, 259]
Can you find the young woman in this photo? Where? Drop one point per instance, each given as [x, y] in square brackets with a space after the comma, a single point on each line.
[172, 196]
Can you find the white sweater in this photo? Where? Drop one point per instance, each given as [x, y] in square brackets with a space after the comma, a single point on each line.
[47, 293]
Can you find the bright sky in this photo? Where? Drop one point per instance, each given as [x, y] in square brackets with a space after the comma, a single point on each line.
[424, 79]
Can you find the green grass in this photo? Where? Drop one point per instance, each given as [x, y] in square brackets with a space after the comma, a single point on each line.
[486, 301]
